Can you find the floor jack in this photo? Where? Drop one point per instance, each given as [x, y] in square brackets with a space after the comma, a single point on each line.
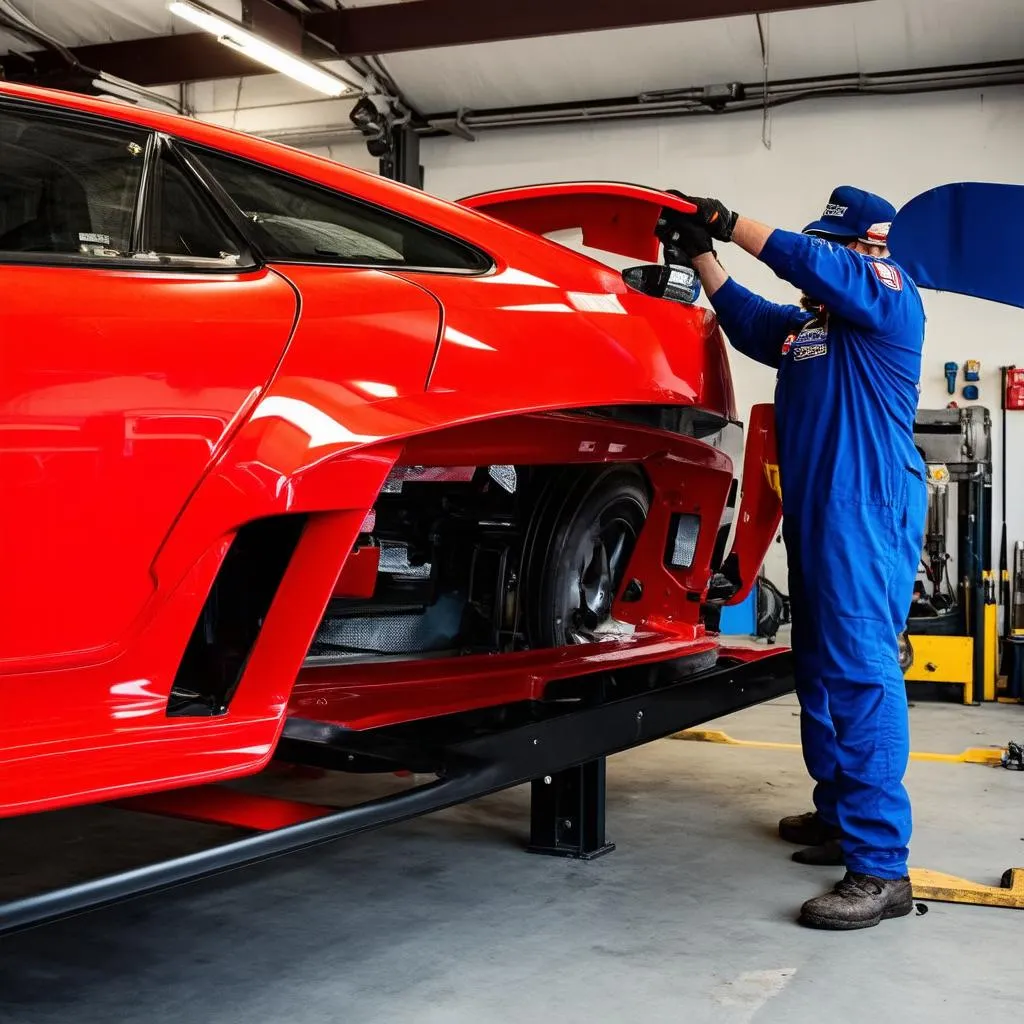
[934, 885]
[927, 884]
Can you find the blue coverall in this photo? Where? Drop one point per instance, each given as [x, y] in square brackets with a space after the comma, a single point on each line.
[854, 508]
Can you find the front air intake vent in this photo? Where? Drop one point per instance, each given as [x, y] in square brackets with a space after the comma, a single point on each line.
[233, 615]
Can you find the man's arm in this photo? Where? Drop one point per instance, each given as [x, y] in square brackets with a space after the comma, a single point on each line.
[751, 235]
[843, 280]
[756, 327]
[712, 273]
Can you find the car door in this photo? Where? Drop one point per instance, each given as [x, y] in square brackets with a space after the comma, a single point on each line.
[135, 332]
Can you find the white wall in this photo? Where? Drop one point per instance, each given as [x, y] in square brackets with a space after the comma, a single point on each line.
[897, 146]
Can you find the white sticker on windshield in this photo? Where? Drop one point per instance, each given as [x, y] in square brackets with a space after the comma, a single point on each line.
[89, 236]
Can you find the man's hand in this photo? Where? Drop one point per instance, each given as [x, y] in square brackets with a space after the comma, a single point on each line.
[685, 234]
[717, 219]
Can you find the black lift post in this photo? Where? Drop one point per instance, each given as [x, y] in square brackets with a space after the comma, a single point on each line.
[567, 812]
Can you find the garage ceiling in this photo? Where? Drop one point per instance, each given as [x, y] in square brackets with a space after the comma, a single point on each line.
[844, 38]
[880, 35]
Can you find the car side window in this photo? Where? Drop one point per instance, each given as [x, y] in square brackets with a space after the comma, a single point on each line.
[301, 222]
[68, 187]
[183, 222]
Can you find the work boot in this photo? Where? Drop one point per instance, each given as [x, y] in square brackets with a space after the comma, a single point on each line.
[858, 901]
[828, 854]
[807, 829]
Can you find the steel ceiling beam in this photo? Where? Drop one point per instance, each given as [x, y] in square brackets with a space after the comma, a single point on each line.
[390, 28]
[158, 60]
[427, 24]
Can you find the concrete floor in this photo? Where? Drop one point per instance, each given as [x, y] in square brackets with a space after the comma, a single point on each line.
[444, 920]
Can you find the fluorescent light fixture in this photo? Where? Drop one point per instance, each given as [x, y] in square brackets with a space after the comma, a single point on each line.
[239, 38]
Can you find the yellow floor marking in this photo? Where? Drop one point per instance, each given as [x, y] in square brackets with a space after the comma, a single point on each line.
[972, 755]
[934, 885]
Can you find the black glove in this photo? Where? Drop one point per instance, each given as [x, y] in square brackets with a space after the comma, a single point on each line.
[680, 233]
[712, 213]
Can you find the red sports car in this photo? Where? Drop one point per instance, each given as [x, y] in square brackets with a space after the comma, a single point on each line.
[283, 441]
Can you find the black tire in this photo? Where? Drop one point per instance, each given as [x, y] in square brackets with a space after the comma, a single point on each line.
[588, 509]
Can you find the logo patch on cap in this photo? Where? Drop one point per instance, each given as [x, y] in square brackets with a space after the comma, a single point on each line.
[888, 275]
[878, 233]
[835, 210]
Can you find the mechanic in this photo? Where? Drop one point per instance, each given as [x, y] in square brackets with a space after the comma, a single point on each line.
[854, 505]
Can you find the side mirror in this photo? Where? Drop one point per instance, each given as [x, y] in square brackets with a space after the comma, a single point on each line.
[679, 284]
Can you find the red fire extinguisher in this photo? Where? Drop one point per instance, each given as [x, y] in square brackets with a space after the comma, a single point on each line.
[1014, 398]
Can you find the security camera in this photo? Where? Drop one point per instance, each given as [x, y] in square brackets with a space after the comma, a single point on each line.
[367, 118]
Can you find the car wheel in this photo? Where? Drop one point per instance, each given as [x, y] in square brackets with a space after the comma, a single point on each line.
[579, 548]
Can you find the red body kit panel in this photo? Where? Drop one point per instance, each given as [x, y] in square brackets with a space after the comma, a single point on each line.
[148, 416]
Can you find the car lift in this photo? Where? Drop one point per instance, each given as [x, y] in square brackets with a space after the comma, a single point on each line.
[558, 746]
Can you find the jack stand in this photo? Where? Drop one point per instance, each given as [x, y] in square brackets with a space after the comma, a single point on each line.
[567, 813]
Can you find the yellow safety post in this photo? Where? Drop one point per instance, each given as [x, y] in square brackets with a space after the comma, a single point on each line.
[991, 637]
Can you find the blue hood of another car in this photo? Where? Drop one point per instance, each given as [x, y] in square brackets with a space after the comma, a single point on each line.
[966, 237]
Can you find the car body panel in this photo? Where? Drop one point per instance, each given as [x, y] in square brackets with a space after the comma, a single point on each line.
[109, 421]
[102, 732]
[392, 694]
[321, 404]
[760, 511]
[533, 345]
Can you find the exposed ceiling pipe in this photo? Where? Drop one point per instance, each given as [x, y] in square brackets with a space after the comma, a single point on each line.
[753, 96]
[691, 101]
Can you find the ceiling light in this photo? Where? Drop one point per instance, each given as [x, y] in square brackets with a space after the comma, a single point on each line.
[239, 38]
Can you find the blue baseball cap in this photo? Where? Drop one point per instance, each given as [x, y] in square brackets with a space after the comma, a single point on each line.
[852, 213]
